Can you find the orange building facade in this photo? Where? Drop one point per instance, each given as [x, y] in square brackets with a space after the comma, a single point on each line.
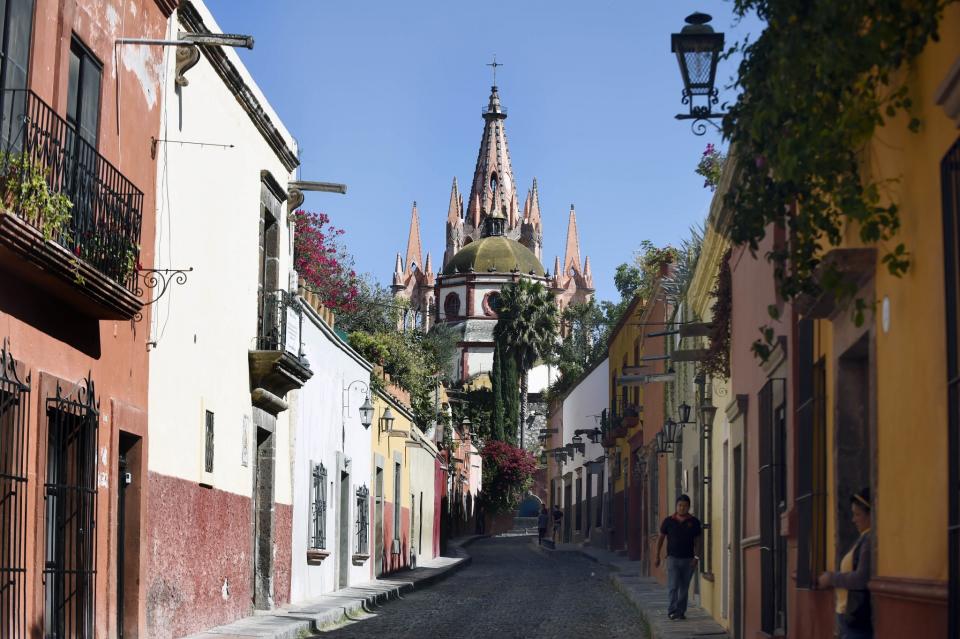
[76, 130]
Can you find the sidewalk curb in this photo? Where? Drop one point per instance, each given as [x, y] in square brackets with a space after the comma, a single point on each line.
[653, 622]
[334, 608]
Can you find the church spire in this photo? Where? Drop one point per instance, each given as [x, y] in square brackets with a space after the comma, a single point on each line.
[571, 257]
[493, 175]
[414, 252]
[455, 208]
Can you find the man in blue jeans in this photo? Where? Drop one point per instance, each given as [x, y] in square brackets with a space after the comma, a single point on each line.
[681, 531]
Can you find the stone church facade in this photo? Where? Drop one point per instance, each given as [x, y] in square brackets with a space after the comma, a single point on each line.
[489, 244]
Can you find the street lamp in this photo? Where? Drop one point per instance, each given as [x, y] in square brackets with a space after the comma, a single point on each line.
[660, 446]
[709, 411]
[671, 431]
[386, 420]
[684, 410]
[366, 413]
[366, 409]
[698, 50]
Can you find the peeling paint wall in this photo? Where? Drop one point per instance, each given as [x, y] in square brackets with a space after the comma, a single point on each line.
[209, 207]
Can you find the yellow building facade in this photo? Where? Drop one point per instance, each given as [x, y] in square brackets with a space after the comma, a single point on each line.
[715, 511]
[390, 484]
[886, 382]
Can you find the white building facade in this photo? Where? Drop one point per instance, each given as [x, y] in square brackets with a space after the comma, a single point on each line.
[225, 346]
[584, 472]
[331, 466]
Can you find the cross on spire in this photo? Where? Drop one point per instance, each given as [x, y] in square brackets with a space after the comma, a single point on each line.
[494, 65]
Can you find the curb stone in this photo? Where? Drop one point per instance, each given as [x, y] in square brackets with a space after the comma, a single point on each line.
[332, 609]
[698, 625]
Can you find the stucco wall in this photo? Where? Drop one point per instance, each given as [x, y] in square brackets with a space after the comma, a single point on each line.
[210, 200]
[422, 462]
[324, 432]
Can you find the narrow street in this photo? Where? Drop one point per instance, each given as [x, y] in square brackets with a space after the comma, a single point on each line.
[510, 590]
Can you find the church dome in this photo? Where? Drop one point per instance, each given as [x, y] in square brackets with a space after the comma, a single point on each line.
[494, 253]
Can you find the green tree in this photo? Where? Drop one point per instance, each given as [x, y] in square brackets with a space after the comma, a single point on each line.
[496, 380]
[527, 329]
[586, 329]
[375, 311]
[510, 392]
[506, 393]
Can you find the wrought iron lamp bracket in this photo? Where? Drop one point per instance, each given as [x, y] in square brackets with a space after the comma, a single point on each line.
[702, 114]
[158, 278]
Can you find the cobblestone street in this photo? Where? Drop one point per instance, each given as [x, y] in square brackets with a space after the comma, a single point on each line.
[510, 590]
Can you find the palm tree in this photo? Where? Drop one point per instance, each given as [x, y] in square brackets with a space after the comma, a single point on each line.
[528, 328]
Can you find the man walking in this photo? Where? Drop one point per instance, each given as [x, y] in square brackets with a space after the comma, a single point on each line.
[681, 531]
[557, 521]
[543, 519]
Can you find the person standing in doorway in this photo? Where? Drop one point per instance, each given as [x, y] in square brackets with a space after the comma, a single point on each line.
[681, 531]
[557, 521]
[854, 616]
[542, 520]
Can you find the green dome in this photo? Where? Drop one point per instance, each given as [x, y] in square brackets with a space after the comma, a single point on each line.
[494, 254]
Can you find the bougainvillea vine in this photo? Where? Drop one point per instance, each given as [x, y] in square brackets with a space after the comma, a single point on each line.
[323, 262]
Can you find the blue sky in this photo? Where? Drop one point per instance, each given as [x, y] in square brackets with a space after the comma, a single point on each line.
[386, 97]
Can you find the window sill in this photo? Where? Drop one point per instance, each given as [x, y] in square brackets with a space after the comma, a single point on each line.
[360, 558]
[315, 556]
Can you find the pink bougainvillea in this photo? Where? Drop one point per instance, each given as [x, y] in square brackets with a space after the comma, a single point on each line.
[323, 262]
[507, 473]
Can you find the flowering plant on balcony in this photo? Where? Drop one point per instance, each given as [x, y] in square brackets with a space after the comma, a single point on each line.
[507, 475]
[25, 191]
[323, 262]
[710, 165]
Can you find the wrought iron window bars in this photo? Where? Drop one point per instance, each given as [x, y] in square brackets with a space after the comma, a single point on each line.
[318, 507]
[14, 426]
[70, 502]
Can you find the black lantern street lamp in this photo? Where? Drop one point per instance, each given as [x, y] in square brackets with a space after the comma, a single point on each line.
[366, 413]
[386, 420]
[698, 50]
[671, 431]
[709, 412]
[660, 445]
[684, 410]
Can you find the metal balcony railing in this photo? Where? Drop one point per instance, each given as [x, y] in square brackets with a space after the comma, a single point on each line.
[281, 319]
[39, 148]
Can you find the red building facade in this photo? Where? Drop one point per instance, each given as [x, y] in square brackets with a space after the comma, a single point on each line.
[76, 136]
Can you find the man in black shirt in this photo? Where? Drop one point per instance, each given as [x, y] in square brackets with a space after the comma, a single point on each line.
[681, 531]
[557, 522]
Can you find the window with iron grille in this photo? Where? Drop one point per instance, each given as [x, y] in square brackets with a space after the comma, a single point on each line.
[771, 449]
[14, 401]
[811, 501]
[70, 504]
[950, 183]
[318, 506]
[208, 442]
[363, 519]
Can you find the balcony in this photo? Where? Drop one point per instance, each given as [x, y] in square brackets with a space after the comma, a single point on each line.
[69, 220]
[278, 364]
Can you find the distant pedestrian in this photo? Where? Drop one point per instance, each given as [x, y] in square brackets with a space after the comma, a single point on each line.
[557, 521]
[543, 519]
[853, 597]
[481, 523]
[681, 531]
